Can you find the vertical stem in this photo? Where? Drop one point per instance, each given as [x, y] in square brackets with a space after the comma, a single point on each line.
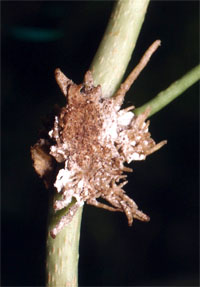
[62, 252]
[108, 68]
[118, 43]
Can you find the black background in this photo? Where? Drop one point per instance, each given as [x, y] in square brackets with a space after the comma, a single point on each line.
[165, 186]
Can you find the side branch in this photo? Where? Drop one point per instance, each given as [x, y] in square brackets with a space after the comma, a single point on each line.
[173, 91]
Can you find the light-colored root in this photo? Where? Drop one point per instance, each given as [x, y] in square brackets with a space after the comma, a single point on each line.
[94, 202]
[125, 86]
[157, 147]
[88, 80]
[62, 81]
[141, 216]
[142, 117]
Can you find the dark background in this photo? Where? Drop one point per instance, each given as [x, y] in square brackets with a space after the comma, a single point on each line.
[39, 36]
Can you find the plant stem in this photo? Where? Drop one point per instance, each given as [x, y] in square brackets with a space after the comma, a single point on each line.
[62, 252]
[108, 68]
[118, 43]
[173, 91]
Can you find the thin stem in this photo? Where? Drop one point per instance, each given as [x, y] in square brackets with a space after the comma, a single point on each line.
[172, 92]
[108, 68]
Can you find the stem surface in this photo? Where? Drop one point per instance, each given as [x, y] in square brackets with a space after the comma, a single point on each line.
[62, 252]
[118, 43]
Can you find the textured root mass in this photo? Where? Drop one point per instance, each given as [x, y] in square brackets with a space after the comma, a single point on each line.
[94, 138]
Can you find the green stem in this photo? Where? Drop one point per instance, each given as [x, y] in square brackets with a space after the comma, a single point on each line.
[62, 252]
[173, 91]
[118, 43]
[108, 68]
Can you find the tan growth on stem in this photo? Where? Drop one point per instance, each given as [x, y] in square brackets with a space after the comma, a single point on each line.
[92, 138]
